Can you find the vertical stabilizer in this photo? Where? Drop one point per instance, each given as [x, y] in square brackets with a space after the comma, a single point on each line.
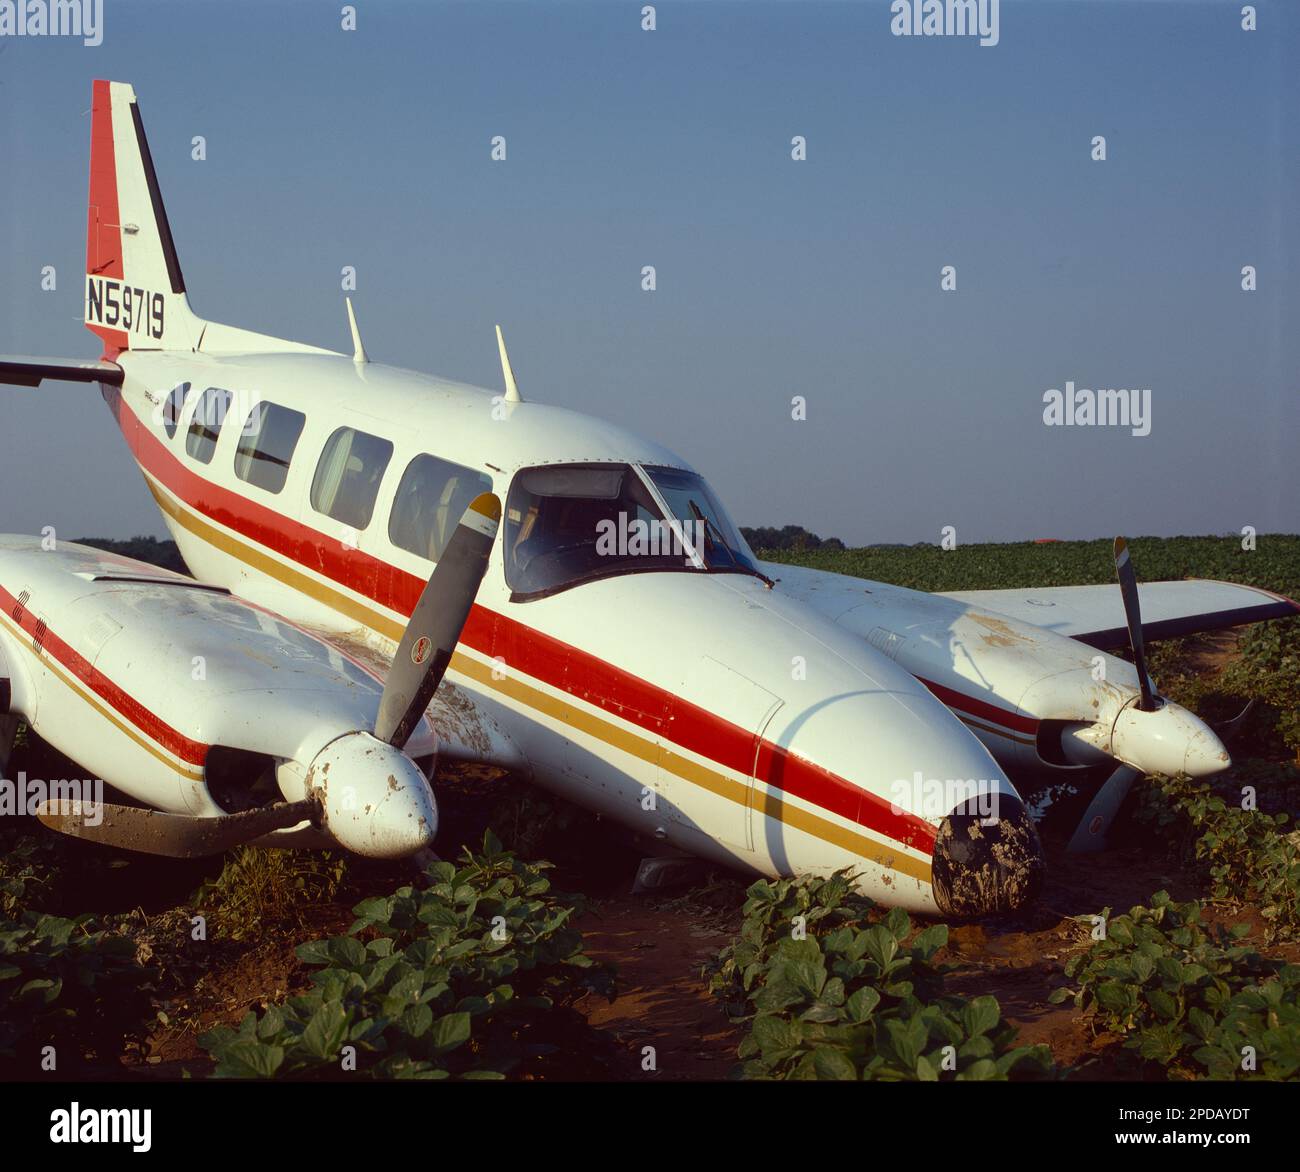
[135, 292]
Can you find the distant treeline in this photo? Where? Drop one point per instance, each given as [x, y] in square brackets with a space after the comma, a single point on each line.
[788, 537]
[144, 549]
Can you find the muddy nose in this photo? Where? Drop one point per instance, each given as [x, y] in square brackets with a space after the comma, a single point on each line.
[987, 858]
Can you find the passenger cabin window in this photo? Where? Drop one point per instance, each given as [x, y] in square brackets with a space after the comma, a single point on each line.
[431, 499]
[171, 412]
[266, 445]
[348, 475]
[209, 415]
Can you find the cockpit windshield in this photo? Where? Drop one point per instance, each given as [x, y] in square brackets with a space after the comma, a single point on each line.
[572, 523]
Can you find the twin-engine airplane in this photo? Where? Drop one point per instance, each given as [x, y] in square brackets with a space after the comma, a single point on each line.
[353, 612]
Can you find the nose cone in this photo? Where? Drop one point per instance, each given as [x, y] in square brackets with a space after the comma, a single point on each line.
[1169, 740]
[1206, 754]
[987, 857]
[377, 801]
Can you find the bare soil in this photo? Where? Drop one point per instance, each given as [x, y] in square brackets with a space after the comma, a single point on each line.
[663, 1024]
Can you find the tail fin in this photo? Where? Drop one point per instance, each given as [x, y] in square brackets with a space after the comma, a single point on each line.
[135, 293]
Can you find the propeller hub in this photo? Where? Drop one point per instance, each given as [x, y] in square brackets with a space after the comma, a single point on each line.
[376, 800]
[1168, 740]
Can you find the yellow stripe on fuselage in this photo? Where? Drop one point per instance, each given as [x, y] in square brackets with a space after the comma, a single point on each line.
[634, 744]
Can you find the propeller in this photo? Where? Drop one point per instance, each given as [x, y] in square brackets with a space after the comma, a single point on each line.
[436, 622]
[1147, 735]
[1128, 591]
[1094, 826]
[178, 836]
[361, 788]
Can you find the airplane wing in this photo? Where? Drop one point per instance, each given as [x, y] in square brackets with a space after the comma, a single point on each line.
[1170, 610]
[27, 371]
[198, 703]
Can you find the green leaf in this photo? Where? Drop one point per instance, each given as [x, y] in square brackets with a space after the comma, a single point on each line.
[248, 1058]
[831, 1063]
[880, 945]
[862, 1003]
[898, 922]
[908, 1040]
[416, 1020]
[452, 1030]
[774, 1033]
[325, 1032]
[980, 1015]
[1162, 1003]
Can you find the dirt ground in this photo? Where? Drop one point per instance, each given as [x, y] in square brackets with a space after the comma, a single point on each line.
[663, 1024]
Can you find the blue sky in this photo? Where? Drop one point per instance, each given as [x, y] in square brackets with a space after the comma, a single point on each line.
[775, 278]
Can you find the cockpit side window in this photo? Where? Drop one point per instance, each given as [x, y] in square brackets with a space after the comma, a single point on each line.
[692, 502]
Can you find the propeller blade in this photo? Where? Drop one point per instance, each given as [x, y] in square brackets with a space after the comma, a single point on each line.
[436, 622]
[1094, 826]
[1128, 589]
[178, 836]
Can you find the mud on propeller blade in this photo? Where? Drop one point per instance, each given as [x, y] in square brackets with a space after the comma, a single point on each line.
[176, 836]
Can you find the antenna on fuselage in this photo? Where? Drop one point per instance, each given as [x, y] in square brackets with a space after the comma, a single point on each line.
[358, 350]
[512, 389]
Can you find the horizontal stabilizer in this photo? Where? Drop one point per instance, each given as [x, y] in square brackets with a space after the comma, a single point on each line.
[25, 371]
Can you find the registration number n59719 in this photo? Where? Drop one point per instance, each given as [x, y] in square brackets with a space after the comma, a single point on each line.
[124, 306]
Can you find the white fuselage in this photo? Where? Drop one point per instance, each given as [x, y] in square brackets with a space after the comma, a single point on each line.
[704, 710]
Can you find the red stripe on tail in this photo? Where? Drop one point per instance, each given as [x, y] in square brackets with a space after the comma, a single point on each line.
[103, 230]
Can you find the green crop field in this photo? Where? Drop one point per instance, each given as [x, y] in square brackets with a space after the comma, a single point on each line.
[1274, 563]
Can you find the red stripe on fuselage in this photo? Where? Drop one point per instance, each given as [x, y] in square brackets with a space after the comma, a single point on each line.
[980, 708]
[561, 665]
